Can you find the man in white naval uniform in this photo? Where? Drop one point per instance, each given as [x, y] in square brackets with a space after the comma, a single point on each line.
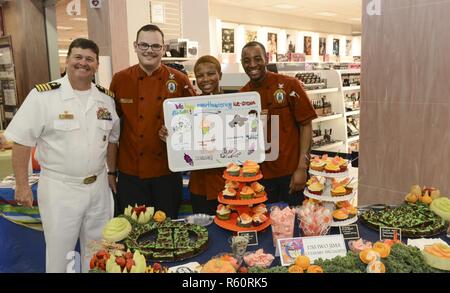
[74, 125]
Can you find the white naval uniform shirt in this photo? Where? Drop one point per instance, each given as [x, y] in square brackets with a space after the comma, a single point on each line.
[72, 147]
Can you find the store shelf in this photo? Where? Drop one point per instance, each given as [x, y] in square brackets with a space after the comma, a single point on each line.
[328, 146]
[177, 59]
[323, 91]
[351, 88]
[327, 118]
[353, 139]
[350, 113]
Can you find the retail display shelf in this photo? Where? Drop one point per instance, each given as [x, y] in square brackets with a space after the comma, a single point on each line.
[326, 118]
[323, 91]
[329, 146]
[353, 139]
[177, 59]
[351, 88]
[350, 113]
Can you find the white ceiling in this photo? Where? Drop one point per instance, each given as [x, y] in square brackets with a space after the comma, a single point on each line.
[347, 11]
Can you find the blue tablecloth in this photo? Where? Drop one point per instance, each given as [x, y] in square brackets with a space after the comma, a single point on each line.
[23, 249]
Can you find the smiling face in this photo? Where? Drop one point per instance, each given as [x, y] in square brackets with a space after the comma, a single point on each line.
[208, 78]
[254, 63]
[149, 59]
[81, 64]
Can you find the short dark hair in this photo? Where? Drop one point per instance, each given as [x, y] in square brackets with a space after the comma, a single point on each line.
[150, 28]
[255, 44]
[84, 44]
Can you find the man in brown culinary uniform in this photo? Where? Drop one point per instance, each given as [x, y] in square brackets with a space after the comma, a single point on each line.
[285, 177]
[140, 90]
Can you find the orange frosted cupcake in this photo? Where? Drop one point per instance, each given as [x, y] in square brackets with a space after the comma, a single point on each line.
[229, 193]
[250, 171]
[244, 220]
[258, 188]
[247, 192]
[258, 219]
[231, 184]
[260, 209]
[233, 169]
[223, 212]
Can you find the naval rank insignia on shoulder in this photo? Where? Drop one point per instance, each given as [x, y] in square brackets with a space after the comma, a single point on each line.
[44, 87]
[105, 91]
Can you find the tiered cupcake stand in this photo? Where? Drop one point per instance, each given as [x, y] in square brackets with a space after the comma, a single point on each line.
[328, 198]
[240, 206]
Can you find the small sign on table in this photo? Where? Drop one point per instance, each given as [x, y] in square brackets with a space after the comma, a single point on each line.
[390, 233]
[252, 237]
[350, 232]
[325, 247]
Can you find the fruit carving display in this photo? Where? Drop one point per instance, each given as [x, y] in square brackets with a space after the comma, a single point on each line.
[126, 263]
[140, 214]
[441, 207]
[425, 194]
[98, 260]
[116, 229]
[437, 256]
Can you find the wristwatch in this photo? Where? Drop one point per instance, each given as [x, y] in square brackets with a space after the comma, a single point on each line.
[114, 173]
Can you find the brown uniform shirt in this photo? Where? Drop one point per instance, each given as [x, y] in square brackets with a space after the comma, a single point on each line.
[284, 96]
[207, 182]
[139, 101]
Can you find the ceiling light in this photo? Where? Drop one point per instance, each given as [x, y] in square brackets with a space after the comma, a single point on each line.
[284, 6]
[326, 14]
[64, 28]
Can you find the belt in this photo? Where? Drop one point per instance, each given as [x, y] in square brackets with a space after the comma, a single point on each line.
[72, 179]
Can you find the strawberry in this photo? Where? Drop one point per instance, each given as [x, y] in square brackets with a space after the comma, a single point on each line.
[121, 262]
[92, 263]
[156, 267]
[128, 255]
[101, 254]
[129, 264]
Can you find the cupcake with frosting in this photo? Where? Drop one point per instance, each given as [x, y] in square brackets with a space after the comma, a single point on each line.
[223, 212]
[233, 169]
[339, 215]
[259, 209]
[229, 193]
[332, 168]
[258, 219]
[244, 220]
[232, 184]
[258, 188]
[338, 190]
[247, 192]
[317, 164]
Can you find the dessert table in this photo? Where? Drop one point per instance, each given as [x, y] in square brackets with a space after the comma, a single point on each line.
[23, 249]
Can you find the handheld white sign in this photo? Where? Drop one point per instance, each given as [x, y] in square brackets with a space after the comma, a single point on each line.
[211, 131]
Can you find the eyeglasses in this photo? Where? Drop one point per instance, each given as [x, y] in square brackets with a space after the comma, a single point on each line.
[144, 47]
